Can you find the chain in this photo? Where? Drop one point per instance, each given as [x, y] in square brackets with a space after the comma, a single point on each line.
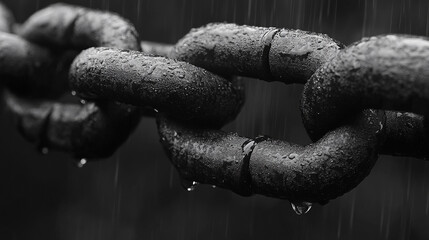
[191, 88]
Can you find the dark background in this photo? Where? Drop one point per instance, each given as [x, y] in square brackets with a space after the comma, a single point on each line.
[136, 194]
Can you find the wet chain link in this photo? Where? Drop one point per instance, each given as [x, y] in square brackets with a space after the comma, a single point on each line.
[192, 90]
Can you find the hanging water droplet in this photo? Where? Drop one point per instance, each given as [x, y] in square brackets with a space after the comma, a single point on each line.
[192, 187]
[81, 163]
[44, 150]
[301, 207]
[73, 93]
[189, 185]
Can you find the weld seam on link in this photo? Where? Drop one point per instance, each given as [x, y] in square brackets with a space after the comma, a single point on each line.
[314, 173]
[231, 49]
[333, 165]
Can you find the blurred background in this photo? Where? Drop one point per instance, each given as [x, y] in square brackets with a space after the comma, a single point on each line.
[136, 194]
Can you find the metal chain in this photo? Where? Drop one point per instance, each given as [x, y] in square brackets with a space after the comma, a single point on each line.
[385, 72]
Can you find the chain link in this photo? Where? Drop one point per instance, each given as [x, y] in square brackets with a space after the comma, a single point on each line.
[91, 130]
[117, 80]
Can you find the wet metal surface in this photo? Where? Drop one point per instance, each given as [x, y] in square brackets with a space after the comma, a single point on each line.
[137, 194]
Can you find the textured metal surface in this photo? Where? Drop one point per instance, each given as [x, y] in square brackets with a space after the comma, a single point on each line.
[315, 173]
[69, 26]
[177, 88]
[290, 56]
[386, 72]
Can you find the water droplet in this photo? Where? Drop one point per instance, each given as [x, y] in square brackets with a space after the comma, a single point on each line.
[189, 185]
[44, 150]
[282, 34]
[213, 186]
[73, 93]
[81, 163]
[83, 102]
[151, 69]
[301, 207]
[192, 187]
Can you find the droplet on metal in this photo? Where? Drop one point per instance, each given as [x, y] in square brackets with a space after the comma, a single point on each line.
[301, 207]
[181, 75]
[151, 69]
